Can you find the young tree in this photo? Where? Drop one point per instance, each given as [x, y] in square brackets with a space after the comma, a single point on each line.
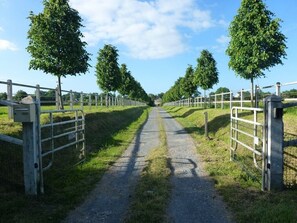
[107, 69]
[126, 81]
[55, 41]
[188, 87]
[206, 74]
[256, 41]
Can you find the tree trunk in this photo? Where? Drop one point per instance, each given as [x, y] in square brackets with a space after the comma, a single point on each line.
[252, 92]
[61, 106]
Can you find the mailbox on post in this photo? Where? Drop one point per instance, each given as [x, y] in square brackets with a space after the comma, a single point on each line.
[24, 112]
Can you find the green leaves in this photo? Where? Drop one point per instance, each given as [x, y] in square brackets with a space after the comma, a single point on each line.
[107, 69]
[206, 74]
[256, 41]
[55, 40]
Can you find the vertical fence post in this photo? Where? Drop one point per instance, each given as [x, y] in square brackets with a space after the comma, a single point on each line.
[277, 90]
[37, 92]
[31, 154]
[241, 98]
[222, 101]
[90, 101]
[71, 99]
[231, 98]
[82, 100]
[57, 97]
[275, 132]
[96, 100]
[9, 97]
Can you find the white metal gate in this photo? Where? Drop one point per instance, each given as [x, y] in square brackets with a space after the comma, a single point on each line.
[65, 131]
[248, 131]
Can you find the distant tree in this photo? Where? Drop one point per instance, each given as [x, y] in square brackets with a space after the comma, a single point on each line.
[256, 41]
[206, 73]
[55, 41]
[3, 96]
[20, 95]
[188, 87]
[160, 95]
[223, 90]
[126, 80]
[290, 94]
[107, 69]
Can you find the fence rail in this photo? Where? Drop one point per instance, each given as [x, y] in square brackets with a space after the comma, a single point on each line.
[73, 98]
[230, 98]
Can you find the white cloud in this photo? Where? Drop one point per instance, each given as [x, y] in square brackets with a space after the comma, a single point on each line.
[6, 45]
[149, 29]
[223, 39]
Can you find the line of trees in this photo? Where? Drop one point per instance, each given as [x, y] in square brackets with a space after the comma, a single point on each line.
[256, 44]
[56, 47]
[205, 75]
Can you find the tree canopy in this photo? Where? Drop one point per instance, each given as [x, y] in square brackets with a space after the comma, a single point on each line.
[256, 41]
[188, 87]
[107, 69]
[206, 74]
[55, 41]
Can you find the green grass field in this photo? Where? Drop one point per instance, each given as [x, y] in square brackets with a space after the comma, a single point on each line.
[241, 192]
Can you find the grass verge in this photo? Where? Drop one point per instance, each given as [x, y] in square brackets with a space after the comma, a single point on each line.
[153, 189]
[108, 133]
[241, 192]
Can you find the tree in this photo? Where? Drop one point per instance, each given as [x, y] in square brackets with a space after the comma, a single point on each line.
[20, 95]
[55, 41]
[188, 87]
[3, 96]
[256, 41]
[107, 69]
[206, 74]
[126, 81]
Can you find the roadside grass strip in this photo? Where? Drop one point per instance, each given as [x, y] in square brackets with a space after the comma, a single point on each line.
[153, 190]
[240, 191]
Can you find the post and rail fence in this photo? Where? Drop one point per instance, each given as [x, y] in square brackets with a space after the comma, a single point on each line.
[41, 142]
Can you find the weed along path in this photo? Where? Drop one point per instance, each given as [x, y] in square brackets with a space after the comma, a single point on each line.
[192, 199]
[110, 200]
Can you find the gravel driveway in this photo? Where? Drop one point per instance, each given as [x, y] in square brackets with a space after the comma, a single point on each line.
[193, 196]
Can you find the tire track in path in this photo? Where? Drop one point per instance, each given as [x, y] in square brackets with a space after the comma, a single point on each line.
[193, 197]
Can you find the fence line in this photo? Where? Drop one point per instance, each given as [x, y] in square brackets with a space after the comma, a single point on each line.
[219, 100]
[90, 99]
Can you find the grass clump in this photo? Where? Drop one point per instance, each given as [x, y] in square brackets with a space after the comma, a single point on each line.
[153, 189]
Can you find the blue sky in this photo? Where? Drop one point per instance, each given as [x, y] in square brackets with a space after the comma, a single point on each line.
[157, 39]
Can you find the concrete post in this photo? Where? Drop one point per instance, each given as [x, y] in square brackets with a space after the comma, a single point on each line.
[275, 132]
